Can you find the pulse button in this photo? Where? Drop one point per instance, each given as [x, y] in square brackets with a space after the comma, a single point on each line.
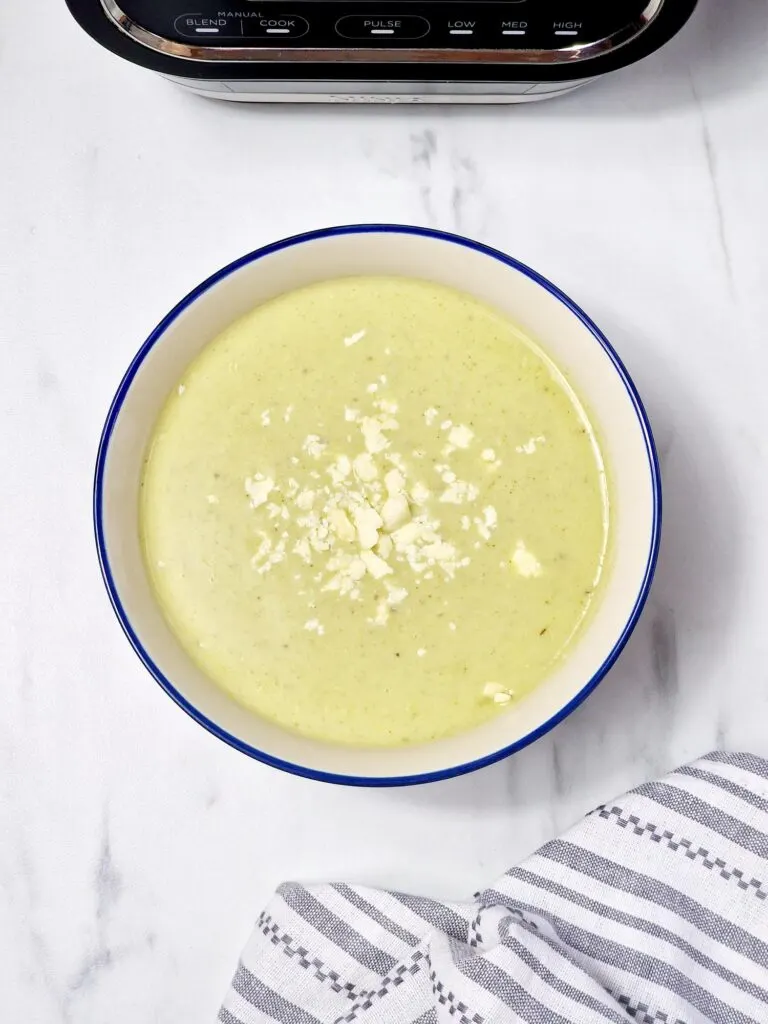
[359, 26]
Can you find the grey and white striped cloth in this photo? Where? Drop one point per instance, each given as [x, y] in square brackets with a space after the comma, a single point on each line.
[653, 909]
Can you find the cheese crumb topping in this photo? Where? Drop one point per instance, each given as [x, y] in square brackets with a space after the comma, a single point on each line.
[362, 521]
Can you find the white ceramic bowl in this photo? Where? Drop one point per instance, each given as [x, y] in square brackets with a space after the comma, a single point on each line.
[537, 306]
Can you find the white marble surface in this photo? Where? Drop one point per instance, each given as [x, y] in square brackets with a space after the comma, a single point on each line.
[135, 849]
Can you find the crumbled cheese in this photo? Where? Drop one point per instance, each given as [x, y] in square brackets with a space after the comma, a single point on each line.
[314, 626]
[461, 436]
[354, 338]
[372, 389]
[376, 566]
[373, 434]
[314, 446]
[396, 595]
[395, 512]
[258, 488]
[181, 389]
[340, 469]
[452, 626]
[368, 522]
[385, 546]
[530, 445]
[499, 694]
[382, 614]
[360, 517]
[305, 500]
[488, 523]
[421, 652]
[459, 492]
[266, 419]
[488, 455]
[420, 493]
[526, 563]
[394, 481]
[212, 499]
[341, 525]
[365, 468]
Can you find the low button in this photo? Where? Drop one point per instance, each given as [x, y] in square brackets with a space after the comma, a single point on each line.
[285, 26]
[360, 26]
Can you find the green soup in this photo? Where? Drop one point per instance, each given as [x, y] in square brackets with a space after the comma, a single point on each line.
[374, 512]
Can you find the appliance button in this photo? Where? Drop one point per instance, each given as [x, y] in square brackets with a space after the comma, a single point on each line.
[511, 27]
[199, 27]
[567, 28]
[285, 26]
[371, 26]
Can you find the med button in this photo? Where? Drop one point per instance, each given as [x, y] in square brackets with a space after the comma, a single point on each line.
[364, 26]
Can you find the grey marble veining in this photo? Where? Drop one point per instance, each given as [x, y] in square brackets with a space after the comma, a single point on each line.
[136, 850]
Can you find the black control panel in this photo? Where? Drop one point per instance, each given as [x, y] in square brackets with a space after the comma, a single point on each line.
[425, 24]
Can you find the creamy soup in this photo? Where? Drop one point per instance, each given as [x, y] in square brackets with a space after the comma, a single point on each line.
[374, 512]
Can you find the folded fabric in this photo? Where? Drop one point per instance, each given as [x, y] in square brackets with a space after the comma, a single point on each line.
[653, 909]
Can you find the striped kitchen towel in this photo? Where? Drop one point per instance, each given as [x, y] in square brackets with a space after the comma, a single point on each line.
[653, 909]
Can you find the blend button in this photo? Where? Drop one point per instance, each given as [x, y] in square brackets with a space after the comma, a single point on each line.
[287, 26]
[207, 28]
[359, 26]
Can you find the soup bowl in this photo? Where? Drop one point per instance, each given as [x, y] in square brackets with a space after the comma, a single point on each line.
[547, 316]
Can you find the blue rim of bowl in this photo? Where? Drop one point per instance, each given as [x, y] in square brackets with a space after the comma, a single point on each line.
[302, 770]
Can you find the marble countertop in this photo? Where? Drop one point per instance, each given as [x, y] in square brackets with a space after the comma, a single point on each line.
[135, 849]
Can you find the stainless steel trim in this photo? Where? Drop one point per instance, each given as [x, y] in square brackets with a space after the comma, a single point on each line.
[347, 54]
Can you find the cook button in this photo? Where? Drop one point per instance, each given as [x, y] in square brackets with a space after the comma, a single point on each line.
[287, 26]
[359, 26]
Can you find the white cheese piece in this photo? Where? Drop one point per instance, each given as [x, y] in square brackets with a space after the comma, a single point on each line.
[288, 413]
[354, 338]
[341, 525]
[459, 492]
[314, 626]
[430, 415]
[373, 429]
[488, 455]
[258, 489]
[266, 418]
[385, 546]
[396, 595]
[364, 467]
[461, 436]
[305, 500]
[314, 446]
[394, 481]
[395, 512]
[351, 415]
[420, 493]
[526, 563]
[530, 445]
[368, 522]
[340, 469]
[382, 614]
[376, 566]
